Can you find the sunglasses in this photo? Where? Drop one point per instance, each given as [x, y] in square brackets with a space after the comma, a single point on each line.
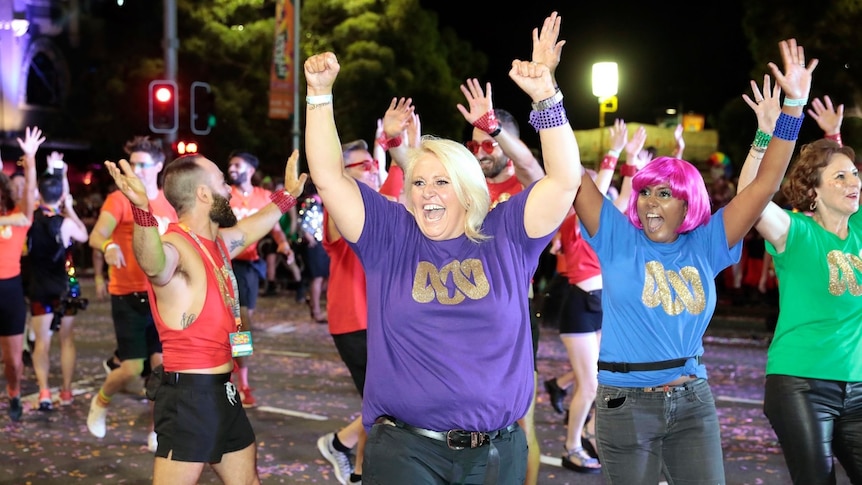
[367, 165]
[486, 145]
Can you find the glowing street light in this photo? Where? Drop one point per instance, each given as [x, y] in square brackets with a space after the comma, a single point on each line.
[605, 86]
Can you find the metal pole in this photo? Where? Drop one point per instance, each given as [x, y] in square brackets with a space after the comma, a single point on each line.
[296, 25]
[170, 44]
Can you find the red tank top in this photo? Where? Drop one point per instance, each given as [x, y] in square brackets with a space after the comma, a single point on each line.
[203, 344]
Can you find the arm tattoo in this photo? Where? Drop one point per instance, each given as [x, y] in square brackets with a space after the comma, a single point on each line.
[238, 243]
[187, 320]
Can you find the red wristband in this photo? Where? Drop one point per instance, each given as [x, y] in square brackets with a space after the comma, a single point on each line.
[609, 162]
[387, 143]
[283, 200]
[836, 138]
[628, 170]
[144, 218]
[489, 123]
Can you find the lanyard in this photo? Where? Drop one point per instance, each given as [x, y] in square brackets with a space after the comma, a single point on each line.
[222, 273]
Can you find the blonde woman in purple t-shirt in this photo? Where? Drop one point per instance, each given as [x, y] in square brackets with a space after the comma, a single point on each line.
[447, 283]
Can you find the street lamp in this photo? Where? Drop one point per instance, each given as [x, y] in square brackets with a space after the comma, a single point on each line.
[605, 85]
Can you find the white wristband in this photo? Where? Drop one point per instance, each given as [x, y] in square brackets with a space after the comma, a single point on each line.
[322, 99]
[112, 245]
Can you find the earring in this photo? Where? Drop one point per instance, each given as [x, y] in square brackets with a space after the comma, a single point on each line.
[812, 206]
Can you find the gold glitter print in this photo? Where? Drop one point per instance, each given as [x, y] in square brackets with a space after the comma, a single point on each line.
[842, 276]
[469, 278]
[687, 285]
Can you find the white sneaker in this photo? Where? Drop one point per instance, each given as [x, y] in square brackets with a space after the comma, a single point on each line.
[340, 461]
[96, 418]
[152, 442]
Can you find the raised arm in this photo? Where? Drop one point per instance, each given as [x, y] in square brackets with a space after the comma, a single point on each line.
[552, 196]
[250, 230]
[30, 145]
[157, 260]
[482, 116]
[339, 191]
[636, 159]
[619, 137]
[744, 209]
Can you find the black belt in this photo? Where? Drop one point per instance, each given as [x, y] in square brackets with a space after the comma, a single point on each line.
[643, 366]
[455, 439]
[194, 380]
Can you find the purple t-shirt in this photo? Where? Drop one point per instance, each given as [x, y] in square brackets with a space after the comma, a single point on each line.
[449, 342]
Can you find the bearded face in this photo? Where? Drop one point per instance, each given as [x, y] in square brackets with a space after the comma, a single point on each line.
[493, 166]
[221, 213]
[238, 178]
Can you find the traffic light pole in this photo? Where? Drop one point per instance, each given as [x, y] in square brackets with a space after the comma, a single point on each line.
[170, 44]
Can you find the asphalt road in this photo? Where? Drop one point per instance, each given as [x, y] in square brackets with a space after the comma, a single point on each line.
[304, 391]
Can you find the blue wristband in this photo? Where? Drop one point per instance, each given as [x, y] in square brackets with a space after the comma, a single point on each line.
[549, 117]
[787, 127]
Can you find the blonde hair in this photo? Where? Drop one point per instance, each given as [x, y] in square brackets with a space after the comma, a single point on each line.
[466, 177]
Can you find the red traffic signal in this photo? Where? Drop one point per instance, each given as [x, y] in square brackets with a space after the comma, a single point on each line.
[164, 106]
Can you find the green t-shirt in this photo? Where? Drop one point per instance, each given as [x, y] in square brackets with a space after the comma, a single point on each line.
[819, 330]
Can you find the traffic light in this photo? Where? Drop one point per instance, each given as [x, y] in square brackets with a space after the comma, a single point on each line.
[202, 108]
[164, 107]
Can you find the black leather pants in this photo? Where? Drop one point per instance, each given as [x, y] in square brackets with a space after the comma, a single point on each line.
[815, 420]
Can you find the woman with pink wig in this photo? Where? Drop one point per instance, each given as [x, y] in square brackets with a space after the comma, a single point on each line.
[655, 413]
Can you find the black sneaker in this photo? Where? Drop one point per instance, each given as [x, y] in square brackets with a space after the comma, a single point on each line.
[15, 409]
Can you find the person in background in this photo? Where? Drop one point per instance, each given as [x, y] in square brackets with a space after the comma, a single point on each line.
[195, 303]
[655, 412]
[462, 273]
[314, 255]
[246, 199]
[54, 292]
[813, 370]
[135, 329]
[15, 220]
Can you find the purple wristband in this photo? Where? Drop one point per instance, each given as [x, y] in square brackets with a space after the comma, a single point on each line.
[787, 127]
[549, 118]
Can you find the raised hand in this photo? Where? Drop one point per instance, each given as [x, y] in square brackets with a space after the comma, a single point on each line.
[479, 101]
[32, 140]
[796, 78]
[765, 103]
[294, 182]
[320, 73]
[533, 78]
[397, 116]
[128, 183]
[635, 154]
[546, 49]
[619, 135]
[827, 116]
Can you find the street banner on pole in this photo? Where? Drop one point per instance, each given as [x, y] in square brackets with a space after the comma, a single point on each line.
[281, 78]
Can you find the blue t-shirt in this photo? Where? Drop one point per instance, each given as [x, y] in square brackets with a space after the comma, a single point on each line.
[658, 298]
[449, 341]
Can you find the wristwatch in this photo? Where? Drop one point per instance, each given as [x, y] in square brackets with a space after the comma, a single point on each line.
[548, 102]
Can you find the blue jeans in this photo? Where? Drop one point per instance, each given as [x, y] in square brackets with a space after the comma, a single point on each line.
[644, 434]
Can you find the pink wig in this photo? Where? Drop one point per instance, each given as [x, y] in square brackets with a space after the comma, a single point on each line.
[685, 183]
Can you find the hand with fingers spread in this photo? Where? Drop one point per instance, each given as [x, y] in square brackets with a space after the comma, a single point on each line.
[479, 101]
[828, 116]
[546, 49]
[765, 103]
[795, 80]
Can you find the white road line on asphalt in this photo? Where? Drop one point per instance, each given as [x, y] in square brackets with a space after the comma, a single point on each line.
[281, 328]
[551, 460]
[739, 400]
[288, 412]
[79, 387]
[285, 353]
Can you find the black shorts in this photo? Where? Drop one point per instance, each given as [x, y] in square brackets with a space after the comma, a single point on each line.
[13, 311]
[248, 282]
[353, 349]
[137, 337]
[581, 311]
[317, 261]
[200, 418]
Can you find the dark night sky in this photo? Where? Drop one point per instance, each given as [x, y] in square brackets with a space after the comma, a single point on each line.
[689, 55]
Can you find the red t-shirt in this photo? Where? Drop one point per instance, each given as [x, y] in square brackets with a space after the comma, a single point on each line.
[12, 240]
[244, 206]
[131, 278]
